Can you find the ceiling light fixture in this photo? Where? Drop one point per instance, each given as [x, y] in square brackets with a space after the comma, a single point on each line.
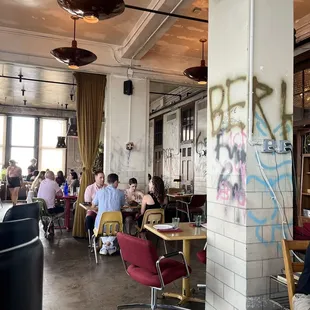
[23, 91]
[199, 74]
[93, 10]
[73, 56]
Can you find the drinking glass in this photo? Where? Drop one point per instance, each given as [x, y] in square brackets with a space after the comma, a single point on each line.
[198, 221]
[175, 222]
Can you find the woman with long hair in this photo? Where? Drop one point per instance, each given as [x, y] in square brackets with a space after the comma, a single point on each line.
[36, 183]
[155, 199]
[60, 179]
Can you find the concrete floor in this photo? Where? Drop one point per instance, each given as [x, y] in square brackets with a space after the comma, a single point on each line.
[72, 280]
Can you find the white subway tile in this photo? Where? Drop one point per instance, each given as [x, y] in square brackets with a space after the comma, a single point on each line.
[215, 285]
[221, 304]
[254, 269]
[216, 255]
[234, 298]
[235, 264]
[220, 211]
[240, 250]
[210, 297]
[260, 217]
[225, 244]
[260, 251]
[254, 200]
[210, 267]
[257, 286]
[224, 275]
[240, 284]
[216, 225]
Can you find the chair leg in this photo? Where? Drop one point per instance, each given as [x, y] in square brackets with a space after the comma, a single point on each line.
[165, 246]
[95, 250]
[59, 225]
[153, 298]
[89, 238]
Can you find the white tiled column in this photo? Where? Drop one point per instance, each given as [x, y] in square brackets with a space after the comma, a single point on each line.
[126, 120]
[244, 221]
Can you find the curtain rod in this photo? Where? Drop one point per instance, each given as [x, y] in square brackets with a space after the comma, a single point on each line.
[133, 7]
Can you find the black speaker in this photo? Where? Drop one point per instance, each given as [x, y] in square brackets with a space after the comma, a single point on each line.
[128, 87]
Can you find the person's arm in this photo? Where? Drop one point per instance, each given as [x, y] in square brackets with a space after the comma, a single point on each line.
[95, 202]
[87, 194]
[58, 190]
[147, 199]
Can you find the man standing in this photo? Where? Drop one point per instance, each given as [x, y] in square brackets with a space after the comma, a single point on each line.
[108, 199]
[89, 196]
[48, 191]
[15, 180]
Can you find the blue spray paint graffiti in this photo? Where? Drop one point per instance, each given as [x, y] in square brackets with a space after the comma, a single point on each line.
[260, 222]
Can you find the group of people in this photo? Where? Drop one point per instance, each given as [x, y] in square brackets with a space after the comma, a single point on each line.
[35, 178]
[107, 197]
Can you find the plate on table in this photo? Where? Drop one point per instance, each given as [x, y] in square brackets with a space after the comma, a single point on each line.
[163, 226]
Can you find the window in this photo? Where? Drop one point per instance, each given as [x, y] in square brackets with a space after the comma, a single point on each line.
[22, 140]
[158, 133]
[2, 139]
[302, 95]
[187, 124]
[50, 157]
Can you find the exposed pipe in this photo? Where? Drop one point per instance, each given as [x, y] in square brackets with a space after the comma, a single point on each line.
[21, 78]
[128, 6]
[251, 73]
[165, 94]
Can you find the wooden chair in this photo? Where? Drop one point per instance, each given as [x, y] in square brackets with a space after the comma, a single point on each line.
[290, 266]
[110, 224]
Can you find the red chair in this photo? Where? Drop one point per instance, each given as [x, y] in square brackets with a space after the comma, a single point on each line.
[202, 257]
[145, 267]
[191, 207]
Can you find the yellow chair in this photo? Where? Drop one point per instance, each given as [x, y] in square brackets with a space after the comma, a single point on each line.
[290, 266]
[152, 216]
[110, 224]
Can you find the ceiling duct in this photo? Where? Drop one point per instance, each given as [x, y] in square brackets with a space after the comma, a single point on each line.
[72, 128]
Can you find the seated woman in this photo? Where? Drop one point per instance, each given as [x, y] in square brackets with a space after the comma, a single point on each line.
[132, 198]
[60, 179]
[36, 183]
[74, 181]
[155, 199]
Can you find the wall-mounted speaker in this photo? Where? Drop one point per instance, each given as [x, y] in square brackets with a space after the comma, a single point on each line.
[128, 88]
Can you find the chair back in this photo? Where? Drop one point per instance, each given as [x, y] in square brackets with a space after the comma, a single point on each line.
[110, 224]
[21, 262]
[290, 266]
[153, 216]
[138, 252]
[29, 210]
[43, 206]
[197, 201]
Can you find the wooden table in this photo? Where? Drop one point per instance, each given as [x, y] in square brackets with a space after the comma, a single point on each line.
[188, 233]
[67, 199]
[180, 196]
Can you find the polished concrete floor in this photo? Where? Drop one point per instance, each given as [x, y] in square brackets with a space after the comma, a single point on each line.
[72, 280]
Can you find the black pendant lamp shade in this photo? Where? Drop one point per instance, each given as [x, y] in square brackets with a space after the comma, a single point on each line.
[199, 74]
[61, 143]
[73, 56]
[93, 10]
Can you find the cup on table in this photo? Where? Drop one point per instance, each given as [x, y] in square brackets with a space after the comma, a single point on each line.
[198, 220]
[175, 222]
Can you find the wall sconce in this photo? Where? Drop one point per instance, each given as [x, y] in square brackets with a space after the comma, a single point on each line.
[61, 144]
[129, 146]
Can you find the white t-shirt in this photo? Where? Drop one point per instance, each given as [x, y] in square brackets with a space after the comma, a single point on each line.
[47, 191]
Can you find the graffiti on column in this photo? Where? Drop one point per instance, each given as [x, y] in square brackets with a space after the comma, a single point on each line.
[230, 146]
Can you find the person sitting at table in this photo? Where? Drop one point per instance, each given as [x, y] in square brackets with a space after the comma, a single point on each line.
[48, 191]
[154, 199]
[60, 179]
[74, 181]
[89, 196]
[132, 195]
[106, 200]
[34, 175]
[37, 181]
[132, 198]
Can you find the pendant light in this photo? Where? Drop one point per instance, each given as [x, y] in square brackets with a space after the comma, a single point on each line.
[199, 74]
[73, 56]
[93, 10]
[61, 144]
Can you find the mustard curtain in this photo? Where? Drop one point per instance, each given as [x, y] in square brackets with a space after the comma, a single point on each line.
[90, 103]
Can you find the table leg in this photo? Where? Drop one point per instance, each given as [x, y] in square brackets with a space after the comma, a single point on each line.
[67, 214]
[186, 290]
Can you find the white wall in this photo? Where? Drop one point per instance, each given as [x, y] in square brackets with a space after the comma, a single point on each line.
[171, 148]
[200, 147]
[127, 121]
[151, 148]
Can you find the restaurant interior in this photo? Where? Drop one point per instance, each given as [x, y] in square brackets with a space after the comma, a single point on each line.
[145, 98]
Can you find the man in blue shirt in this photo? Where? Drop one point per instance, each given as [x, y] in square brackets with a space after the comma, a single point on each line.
[109, 198]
